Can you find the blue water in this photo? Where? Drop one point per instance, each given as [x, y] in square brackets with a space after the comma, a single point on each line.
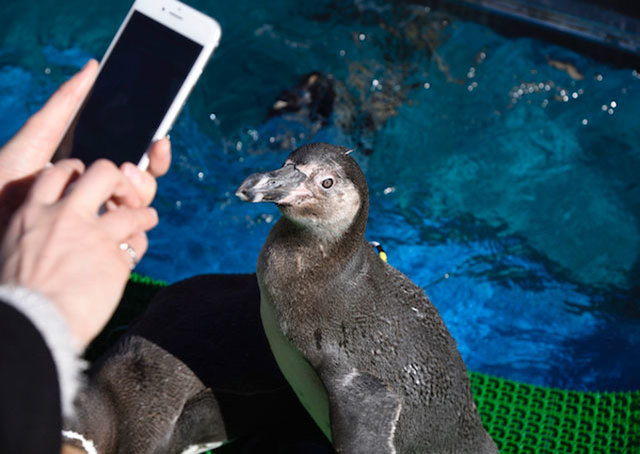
[503, 186]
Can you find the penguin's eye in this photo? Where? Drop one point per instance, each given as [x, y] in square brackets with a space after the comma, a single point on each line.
[327, 183]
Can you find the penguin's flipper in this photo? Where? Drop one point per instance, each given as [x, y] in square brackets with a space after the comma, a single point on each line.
[199, 427]
[364, 413]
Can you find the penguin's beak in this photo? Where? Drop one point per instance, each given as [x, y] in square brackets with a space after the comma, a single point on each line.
[282, 187]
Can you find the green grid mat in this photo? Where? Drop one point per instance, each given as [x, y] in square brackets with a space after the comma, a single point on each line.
[527, 419]
[521, 418]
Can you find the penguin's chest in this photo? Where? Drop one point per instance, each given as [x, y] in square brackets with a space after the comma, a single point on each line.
[299, 373]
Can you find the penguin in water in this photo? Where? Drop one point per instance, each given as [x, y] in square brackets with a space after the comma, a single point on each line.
[363, 347]
[312, 97]
[299, 112]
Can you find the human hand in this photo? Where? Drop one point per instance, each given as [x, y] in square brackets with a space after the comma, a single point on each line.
[58, 245]
[34, 145]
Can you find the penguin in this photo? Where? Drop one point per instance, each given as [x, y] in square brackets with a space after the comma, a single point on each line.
[313, 96]
[142, 399]
[363, 347]
[300, 112]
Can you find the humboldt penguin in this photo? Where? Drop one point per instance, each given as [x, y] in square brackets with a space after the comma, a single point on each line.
[299, 112]
[363, 347]
[312, 97]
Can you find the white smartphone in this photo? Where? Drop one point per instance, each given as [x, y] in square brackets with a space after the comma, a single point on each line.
[144, 79]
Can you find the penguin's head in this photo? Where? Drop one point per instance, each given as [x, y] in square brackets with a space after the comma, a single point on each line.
[319, 188]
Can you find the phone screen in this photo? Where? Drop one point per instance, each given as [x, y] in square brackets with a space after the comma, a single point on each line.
[132, 93]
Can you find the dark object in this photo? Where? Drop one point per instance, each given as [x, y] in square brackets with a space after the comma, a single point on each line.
[313, 96]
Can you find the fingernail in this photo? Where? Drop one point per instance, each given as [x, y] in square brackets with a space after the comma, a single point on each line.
[86, 65]
[153, 213]
[133, 173]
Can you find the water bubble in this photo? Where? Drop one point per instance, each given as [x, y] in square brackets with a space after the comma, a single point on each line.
[636, 74]
[585, 122]
[254, 134]
[272, 139]
[613, 104]
[427, 85]
[200, 176]
[574, 95]
[447, 275]
[343, 52]
[610, 111]
[47, 70]
[375, 83]
[212, 117]
[599, 77]
[389, 190]
[604, 107]
[238, 145]
[178, 204]
[362, 36]
[565, 98]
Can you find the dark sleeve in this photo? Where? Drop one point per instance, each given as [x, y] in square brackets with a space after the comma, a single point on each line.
[30, 410]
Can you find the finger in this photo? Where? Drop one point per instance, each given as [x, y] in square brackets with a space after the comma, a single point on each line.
[33, 146]
[50, 185]
[125, 222]
[103, 181]
[144, 183]
[159, 157]
[139, 244]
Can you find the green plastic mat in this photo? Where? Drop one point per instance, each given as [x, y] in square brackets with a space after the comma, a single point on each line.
[521, 418]
[524, 418]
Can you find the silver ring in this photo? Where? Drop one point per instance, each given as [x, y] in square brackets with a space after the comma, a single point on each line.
[133, 255]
